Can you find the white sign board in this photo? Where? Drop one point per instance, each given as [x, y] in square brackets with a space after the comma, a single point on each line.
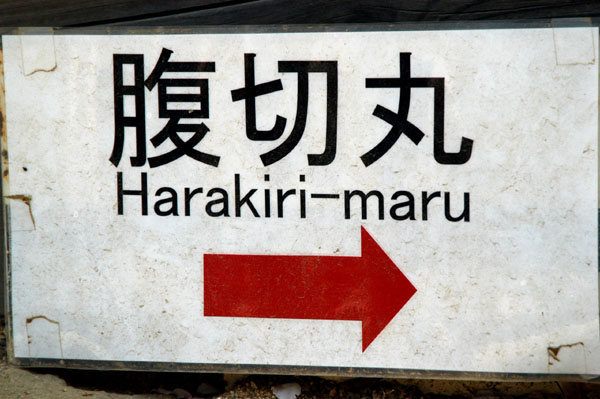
[352, 200]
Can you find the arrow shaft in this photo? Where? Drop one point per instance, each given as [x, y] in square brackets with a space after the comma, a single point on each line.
[291, 287]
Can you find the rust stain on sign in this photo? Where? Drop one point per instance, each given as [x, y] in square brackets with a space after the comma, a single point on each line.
[554, 350]
[568, 358]
[42, 337]
[3, 140]
[32, 318]
[27, 200]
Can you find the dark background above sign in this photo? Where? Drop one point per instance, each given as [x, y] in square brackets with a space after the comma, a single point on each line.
[70, 13]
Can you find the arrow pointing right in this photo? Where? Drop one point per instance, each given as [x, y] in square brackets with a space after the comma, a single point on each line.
[369, 288]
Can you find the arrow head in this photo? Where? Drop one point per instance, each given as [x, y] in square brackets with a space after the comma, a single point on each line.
[386, 289]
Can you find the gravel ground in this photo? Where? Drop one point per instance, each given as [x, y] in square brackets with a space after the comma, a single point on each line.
[71, 384]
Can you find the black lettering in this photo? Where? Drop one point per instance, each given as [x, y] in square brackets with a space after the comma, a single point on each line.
[172, 199]
[198, 108]
[267, 199]
[302, 199]
[188, 198]
[281, 196]
[465, 215]
[223, 201]
[143, 193]
[138, 121]
[425, 199]
[245, 200]
[303, 69]
[349, 194]
[399, 120]
[267, 203]
[302, 204]
[410, 203]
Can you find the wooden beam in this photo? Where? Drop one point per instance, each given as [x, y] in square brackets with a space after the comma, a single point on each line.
[62, 13]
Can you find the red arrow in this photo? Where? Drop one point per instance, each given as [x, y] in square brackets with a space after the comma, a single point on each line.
[369, 288]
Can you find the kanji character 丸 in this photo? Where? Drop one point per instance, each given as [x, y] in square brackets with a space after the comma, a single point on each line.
[399, 119]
